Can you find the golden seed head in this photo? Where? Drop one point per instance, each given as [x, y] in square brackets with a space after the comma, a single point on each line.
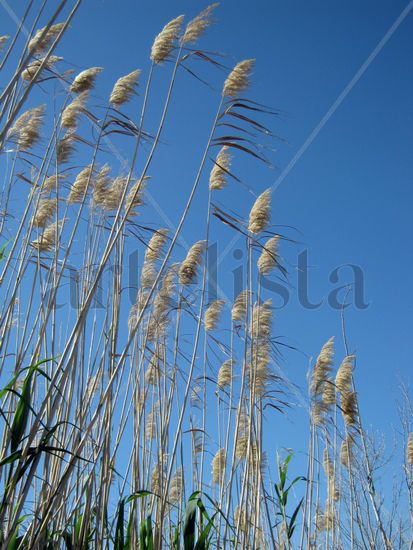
[211, 318]
[239, 79]
[198, 25]
[260, 213]
[344, 374]
[83, 182]
[45, 211]
[124, 88]
[3, 40]
[322, 369]
[189, 267]
[349, 408]
[410, 449]
[26, 130]
[239, 309]
[225, 374]
[65, 147]
[268, 259]
[85, 80]
[219, 172]
[164, 41]
[218, 466]
[72, 112]
[134, 198]
[346, 451]
[30, 71]
[156, 245]
[102, 185]
[47, 239]
[41, 43]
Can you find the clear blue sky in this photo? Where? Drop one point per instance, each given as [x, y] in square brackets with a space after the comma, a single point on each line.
[349, 194]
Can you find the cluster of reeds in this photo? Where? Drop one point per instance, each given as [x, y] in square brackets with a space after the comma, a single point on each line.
[117, 431]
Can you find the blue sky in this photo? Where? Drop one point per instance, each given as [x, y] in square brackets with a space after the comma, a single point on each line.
[349, 194]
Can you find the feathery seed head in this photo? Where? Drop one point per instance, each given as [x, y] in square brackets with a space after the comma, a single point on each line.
[349, 408]
[65, 147]
[43, 38]
[3, 40]
[212, 314]
[156, 244]
[46, 209]
[30, 71]
[26, 130]
[239, 79]
[114, 193]
[47, 239]
[218, 466]
[102, 184]
[198, 25]
[83, 181]
[239, 309]
[164, 41]
[269, 256]
[322, 369]
[124, 88]
[189, 267]
[260, 213]
[72, 112]
[176, 487]
[219, 172]
[134, 199]
[225, 374]
[344, 374]
[410, 449]
[85, 80]
[346, 451]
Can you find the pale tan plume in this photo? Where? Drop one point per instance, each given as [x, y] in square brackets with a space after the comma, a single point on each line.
[124, 88]
[268, 259]
[83, 182]
[71, 113]
[164, 41]
[218, 466]
[409, 450]
[43, 38]
[85, 80]
[102, 184]
[45, 211]
[219, 172]
[239, 78]
[239, 309]
[198, 25]
[260, 213]
[156, 244]
[65, 147]
[212, 313]
[47, 239]
[344, 375]
[26, 130]
[225, 374]
[134, 198]
[3, 40]
[30, 71]
[189, 267]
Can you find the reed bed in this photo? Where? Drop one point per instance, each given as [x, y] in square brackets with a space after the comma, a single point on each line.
[118, 429]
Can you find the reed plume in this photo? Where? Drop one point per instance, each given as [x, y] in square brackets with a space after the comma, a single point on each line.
[45, 211]
[134, 198]
[225, 374]
[212, 314]
[85, 80]
[30, 71]
[409, 450]
[65, 147]
[47, 239]
[198, 25]
[3, 40]
[268, 259]
[101, 186]
[156, 244]
[260, 213]
[346, 451]
[344, 375]
[219, 172]
[43, 38]
[239, 79]
[176, 487]
[349, 408]
[189, 267]
[124, 88]
[164, 41]
[26, 130]
[72, 112]
[83, 181]
[218, 466]
[239, 309]
[322, 369]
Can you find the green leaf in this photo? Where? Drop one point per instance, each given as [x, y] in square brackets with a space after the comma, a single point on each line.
[190, 520]
[21, 413]
[119, 535]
